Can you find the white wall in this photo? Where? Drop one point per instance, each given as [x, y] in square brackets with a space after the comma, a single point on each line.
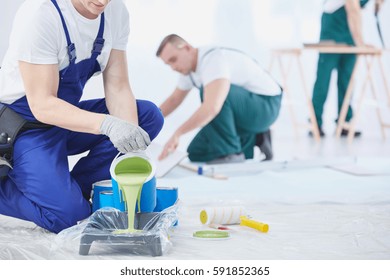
[254, 26]
[7, 13]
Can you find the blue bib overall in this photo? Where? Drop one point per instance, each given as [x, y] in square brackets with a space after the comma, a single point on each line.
[40, 187]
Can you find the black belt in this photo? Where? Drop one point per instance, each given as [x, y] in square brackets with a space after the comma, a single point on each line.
[11, 124]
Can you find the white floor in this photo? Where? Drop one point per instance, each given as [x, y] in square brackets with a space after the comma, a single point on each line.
[314, 212]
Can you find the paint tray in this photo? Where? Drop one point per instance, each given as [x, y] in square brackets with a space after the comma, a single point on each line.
[151, 239]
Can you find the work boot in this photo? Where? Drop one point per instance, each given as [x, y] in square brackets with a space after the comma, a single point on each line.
[344, 133]
[263, 141]
[322, 133]
[233, 158]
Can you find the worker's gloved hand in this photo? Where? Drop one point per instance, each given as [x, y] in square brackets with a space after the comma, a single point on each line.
[125, 136]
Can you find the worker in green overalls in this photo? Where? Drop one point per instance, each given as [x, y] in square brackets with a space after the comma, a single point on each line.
[341, 22]
[240, 101]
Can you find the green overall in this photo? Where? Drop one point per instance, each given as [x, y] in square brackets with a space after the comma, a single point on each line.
[233, 130]
[334, 27]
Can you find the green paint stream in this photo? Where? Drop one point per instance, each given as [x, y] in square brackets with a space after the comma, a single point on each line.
[131, 173]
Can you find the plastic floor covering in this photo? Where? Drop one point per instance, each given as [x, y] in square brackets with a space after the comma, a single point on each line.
[313, 212]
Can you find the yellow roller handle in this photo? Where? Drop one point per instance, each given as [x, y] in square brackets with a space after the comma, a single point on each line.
[253, 224]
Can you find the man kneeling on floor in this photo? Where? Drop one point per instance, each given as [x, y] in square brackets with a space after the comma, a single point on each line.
[240, 101]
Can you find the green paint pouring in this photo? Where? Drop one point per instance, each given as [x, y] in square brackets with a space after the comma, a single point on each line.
[131, 173]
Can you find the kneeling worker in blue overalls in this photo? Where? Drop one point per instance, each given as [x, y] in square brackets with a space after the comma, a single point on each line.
[240, 101]
[55, 47]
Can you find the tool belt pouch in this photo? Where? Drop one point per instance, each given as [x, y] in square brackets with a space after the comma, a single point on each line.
[10, 125]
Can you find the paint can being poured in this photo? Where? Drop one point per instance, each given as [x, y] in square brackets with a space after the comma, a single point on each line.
[130, 173]
[148, 192]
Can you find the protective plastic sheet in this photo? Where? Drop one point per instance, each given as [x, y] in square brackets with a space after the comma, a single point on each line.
[106, 231]
[312, 213]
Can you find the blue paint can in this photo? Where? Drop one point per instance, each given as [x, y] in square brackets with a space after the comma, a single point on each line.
[97, 188]
[166, 197]
[148, 192]
[106, 199]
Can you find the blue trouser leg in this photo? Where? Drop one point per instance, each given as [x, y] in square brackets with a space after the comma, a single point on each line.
[95, 166]
[41, 189]
[326, 63]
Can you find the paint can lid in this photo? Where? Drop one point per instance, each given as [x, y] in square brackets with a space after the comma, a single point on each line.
[166, 188]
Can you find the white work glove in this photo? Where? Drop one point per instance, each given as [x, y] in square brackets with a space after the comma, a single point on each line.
[125, 136]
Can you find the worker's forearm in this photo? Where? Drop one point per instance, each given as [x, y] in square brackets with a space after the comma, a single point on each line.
[200, 118]
[356, 31]
[57, 112]
[169, 105]
[123, 105]
[355, 21]
[120, 100]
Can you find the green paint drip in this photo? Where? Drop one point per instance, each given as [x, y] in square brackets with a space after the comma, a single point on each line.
[131, 174]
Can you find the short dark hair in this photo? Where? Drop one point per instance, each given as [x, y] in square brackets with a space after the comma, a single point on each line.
[173, 39]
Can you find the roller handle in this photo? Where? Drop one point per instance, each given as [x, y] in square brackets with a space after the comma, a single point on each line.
[253, 224]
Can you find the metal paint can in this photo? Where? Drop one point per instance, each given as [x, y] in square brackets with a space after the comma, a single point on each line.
[165, 197]
[148, 192]
[106, 199]
[97, 188]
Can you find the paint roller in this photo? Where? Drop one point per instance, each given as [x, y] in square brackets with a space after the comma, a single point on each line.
[217, 216]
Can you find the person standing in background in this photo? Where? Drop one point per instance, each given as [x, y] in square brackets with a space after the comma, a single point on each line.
[341, 22]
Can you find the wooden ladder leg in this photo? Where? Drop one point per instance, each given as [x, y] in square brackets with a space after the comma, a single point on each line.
[313, 120]
[378, 111]
[352, 125]
[347, 99]
[285, 73]
[386, 85]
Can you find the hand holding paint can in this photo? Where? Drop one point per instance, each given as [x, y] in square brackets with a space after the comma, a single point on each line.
[130, 172]
[148, 191]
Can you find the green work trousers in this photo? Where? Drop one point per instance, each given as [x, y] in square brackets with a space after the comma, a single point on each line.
[334, 27]
[243, 115]
[344, 63]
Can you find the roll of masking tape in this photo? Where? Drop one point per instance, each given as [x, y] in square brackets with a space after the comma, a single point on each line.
[222, 215]
[211, 234]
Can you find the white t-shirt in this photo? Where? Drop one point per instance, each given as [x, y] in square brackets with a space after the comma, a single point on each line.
[331, 6]
[38, 37]
[238, 68]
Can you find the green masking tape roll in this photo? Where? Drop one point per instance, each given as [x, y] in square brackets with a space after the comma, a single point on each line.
[211, 234]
